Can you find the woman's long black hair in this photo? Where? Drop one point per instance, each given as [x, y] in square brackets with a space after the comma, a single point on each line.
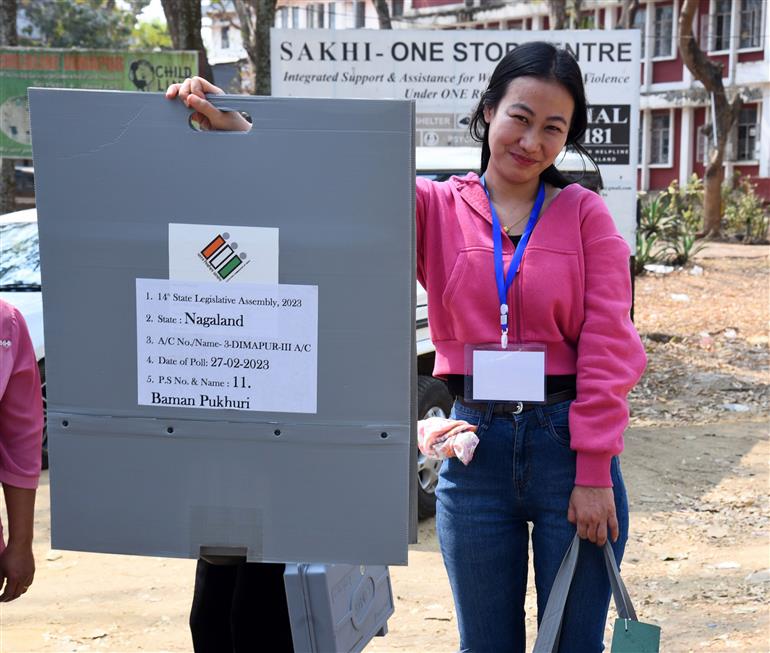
[543, 61]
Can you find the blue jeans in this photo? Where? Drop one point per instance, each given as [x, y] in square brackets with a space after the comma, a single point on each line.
[523, 471]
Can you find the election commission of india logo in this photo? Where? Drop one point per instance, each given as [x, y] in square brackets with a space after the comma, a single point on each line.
[222, 257]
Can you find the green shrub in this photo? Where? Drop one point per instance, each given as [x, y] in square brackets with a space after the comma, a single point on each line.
[685, 205]
[669, 223]
[645, 244]
[745, 215]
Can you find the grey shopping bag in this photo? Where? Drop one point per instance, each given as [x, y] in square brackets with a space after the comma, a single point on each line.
[629, 634]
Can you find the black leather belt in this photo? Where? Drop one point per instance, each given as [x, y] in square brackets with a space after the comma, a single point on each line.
[517, 407]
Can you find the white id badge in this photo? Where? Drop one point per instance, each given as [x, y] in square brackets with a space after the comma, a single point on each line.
[516, 373]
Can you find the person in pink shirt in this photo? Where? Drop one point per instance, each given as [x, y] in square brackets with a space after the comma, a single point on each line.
[21, 437]
[529, 297]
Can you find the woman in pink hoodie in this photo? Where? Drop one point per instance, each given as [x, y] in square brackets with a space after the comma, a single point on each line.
[522, 259]
[529, 296]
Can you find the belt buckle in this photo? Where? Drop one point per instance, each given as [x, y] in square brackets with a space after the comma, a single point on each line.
[519, 408]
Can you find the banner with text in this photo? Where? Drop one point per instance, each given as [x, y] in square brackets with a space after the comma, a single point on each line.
[21, 68]
[445, 72]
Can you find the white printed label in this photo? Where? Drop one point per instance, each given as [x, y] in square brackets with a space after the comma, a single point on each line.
[227, 346]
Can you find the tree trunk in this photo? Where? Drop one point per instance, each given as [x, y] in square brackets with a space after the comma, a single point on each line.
[724, 116]
[7, 186]
[383, 14]
[8, 36]
[265, 18]
[712, 197]
[255, 18]
[184, 25]
[557, 14]
[628, 14]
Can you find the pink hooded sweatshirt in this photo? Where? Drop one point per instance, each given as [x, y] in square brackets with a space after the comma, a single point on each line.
[572, 293]
[21, 405]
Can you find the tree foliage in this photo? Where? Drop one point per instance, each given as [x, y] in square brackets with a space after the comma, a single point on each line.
[151, 35]
[77, 24]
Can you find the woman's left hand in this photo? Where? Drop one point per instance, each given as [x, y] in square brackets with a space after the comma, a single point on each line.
[192, 91]
[592, 510]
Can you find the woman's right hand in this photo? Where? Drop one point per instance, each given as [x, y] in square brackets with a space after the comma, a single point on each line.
[192, 91]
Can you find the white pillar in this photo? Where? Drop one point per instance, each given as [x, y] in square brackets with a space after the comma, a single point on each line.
[644, 181]
[609, 18]
[649, 23]
[735, 31]
[687, 77]
[537, 22]
[764, 130]
[685, 145]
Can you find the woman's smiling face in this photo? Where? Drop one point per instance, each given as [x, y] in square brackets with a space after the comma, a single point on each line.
[528, 128]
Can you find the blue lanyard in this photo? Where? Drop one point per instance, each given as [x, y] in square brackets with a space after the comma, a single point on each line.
[504, 282]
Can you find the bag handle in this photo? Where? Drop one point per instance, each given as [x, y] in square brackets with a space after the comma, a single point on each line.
[550, 625]
[619, 592]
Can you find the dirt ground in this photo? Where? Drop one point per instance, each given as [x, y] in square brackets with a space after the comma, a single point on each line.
[696, 466]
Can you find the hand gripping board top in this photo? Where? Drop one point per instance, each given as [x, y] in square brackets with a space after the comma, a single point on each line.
[336, 177]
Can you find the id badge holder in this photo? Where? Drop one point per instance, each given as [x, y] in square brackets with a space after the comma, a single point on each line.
[512, 373]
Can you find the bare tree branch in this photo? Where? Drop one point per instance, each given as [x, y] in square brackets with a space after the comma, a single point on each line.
[628, 14]
[557, 14]
[222, 14]
[724, 115]
[383, 14]
[577, 7]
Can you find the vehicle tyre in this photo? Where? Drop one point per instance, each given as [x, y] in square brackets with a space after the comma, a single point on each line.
[433, 400]
[41, 366]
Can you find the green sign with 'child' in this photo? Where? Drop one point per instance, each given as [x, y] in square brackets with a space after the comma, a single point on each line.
[21, 68]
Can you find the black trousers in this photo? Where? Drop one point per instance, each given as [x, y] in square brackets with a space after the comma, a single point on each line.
[240, 609]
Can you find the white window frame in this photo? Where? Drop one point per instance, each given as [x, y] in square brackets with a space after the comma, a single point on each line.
[642, 11]
[642, 154]
[331, 15]
[283, 17]
[711, 49]
[762, 18]
[669, 163]
[757, 136]
[652, 6]
[295, 17]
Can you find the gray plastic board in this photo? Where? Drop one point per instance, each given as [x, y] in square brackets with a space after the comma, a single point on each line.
[336, 177]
